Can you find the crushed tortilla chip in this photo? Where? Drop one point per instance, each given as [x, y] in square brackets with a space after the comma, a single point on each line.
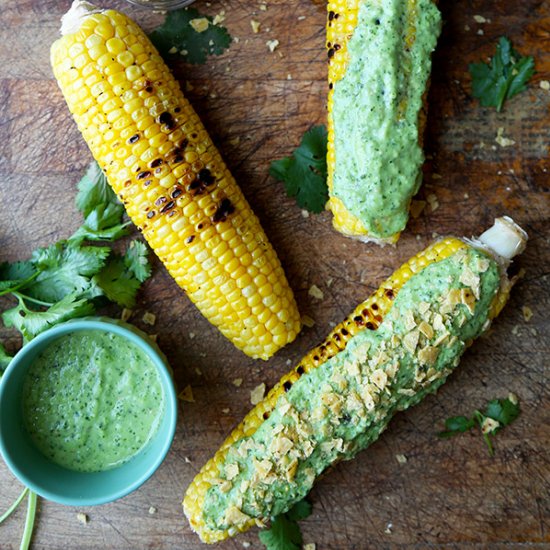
[82, 518]
[186, 394]
[527, 313]
[257, 394]
[149, 318]
[200, 24]
[316, 292]
[272, 45]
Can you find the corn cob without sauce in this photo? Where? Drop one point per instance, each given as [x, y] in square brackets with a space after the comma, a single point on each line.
[397, 346]
[394, 78]
[176, 188]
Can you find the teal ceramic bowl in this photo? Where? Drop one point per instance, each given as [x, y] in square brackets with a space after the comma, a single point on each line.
[59, 484]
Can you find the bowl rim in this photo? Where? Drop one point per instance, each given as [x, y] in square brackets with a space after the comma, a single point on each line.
[137, 337]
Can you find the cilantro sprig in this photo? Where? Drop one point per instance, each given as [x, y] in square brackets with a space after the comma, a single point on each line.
[498, 414]
[191, 35]
[304, 173]
[72, 277]
[284, 533]
[505, 76]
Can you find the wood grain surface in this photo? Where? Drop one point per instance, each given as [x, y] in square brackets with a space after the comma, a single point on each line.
[449, 494]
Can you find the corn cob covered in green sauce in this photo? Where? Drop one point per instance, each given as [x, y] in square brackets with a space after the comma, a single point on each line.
[396, 347]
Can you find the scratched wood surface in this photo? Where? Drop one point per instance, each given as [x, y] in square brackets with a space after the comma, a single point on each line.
[449, 494]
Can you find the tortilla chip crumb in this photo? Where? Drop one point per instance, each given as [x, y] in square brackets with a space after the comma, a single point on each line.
[544, 84]
[501, 140]
[527, 313]
[149, 318]
[225, 411]
[237, 382]
[82, 518]
[152, 510]
[307, 321]
[433, 202]
[263, 7]
[402, 459]
[489, 425]
[126, 314]
[272, 45]
[513, 398]
[310, 546]
[417, 207]
[480, 19]
[219, 18]
[257, 394]
[255, 26]
[316, 292]
[186, 394]
[200, 24]
[245, 544]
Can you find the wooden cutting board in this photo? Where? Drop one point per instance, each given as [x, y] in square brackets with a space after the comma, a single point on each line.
[448, 494]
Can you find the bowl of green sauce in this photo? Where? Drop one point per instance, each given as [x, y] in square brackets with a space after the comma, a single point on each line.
[88, 411]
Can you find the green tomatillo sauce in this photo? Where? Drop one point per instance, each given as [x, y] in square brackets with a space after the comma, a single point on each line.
[92, 400]
[375, 113]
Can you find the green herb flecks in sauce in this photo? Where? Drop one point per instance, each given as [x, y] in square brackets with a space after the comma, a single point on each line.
[92, 400]
[375, 113]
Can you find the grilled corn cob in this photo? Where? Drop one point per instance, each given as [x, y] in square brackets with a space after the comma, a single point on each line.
[379, 64]
[397, 346]
[176, 188]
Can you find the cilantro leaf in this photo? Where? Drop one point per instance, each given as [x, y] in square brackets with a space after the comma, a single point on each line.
[118, 282]
[100, 207]
[31, 323]
[456, 425]
[301, 510]
[503, 411]
[5, 359]
[305, 172]
[66, 268]
[177, 35]
[104, 223]
[93, 190]
[284, 532]
[15, 275]
[504, 77]
[136, 260]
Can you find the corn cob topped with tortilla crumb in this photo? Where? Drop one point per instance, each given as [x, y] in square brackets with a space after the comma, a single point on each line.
[397, 346]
